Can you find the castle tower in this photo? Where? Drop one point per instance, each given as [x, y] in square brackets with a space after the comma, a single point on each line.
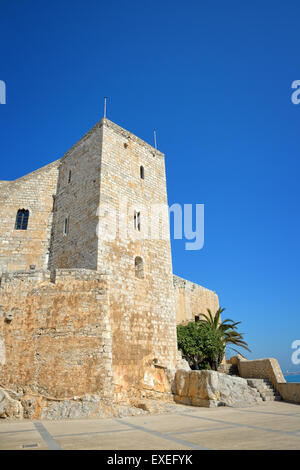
[110, 216]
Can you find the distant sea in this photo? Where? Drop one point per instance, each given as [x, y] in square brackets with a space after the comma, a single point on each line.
[292, 378]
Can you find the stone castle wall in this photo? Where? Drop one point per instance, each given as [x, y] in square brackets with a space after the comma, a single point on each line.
[19, 249]
[90, 324]
[289, 391]
[77, 200]
[192, 300]
[56, 333]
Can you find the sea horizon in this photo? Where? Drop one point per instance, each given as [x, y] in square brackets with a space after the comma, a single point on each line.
[292, 377]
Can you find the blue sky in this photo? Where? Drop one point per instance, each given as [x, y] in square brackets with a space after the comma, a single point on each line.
[214, 79]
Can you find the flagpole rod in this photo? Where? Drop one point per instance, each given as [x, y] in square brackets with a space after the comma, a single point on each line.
[105, 98]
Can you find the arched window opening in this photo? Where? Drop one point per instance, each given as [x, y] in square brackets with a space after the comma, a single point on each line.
[139, 267]
[142, 172]
[22, 219]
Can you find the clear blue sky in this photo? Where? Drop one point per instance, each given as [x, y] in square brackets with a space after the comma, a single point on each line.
[214, 79]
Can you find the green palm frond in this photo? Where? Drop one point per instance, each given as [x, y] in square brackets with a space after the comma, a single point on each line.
[227, 328]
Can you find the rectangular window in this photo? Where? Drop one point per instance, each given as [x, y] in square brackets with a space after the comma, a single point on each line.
[137, 221]
[66, 226]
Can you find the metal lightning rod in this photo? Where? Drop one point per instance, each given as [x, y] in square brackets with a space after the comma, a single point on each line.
[105, 99]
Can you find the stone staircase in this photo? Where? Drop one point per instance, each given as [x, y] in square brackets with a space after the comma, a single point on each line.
[265, 389]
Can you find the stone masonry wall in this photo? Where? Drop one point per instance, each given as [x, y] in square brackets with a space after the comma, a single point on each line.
[55, 333]
[192, 299]
[267, 368]
[289, 391]
[142, 309]
[77, 200]
[34, 192]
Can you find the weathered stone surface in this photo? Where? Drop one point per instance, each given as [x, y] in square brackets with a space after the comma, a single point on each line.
[210, 388]
[182, 363]
[59, 342]
[89, 406]
[9, 408]
[289, 391]
[32, 406]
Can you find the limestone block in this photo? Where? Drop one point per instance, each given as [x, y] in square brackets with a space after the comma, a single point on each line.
[210, 388]
[182, 363]
[182, 378]
[9, 408]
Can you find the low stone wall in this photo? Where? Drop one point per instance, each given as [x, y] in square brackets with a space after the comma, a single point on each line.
[289, 391]
[268, 368]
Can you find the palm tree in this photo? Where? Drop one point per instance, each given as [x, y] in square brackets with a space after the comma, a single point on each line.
[227, 330]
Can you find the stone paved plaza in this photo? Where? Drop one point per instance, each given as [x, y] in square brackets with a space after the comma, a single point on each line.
[272, 425]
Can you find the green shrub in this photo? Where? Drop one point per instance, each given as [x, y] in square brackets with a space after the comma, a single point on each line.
[201, 345]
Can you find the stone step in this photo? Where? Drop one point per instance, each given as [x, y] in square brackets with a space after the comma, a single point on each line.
[277, 398]
[265, 389]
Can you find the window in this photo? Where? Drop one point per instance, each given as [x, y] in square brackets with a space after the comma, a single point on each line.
[22, 219]
[66, 226]
[137, 221]
[139, 267]
[69, 177]
[197, 318]
[142, 172]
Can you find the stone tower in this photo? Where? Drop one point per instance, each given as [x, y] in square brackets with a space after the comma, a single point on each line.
[109, 186]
